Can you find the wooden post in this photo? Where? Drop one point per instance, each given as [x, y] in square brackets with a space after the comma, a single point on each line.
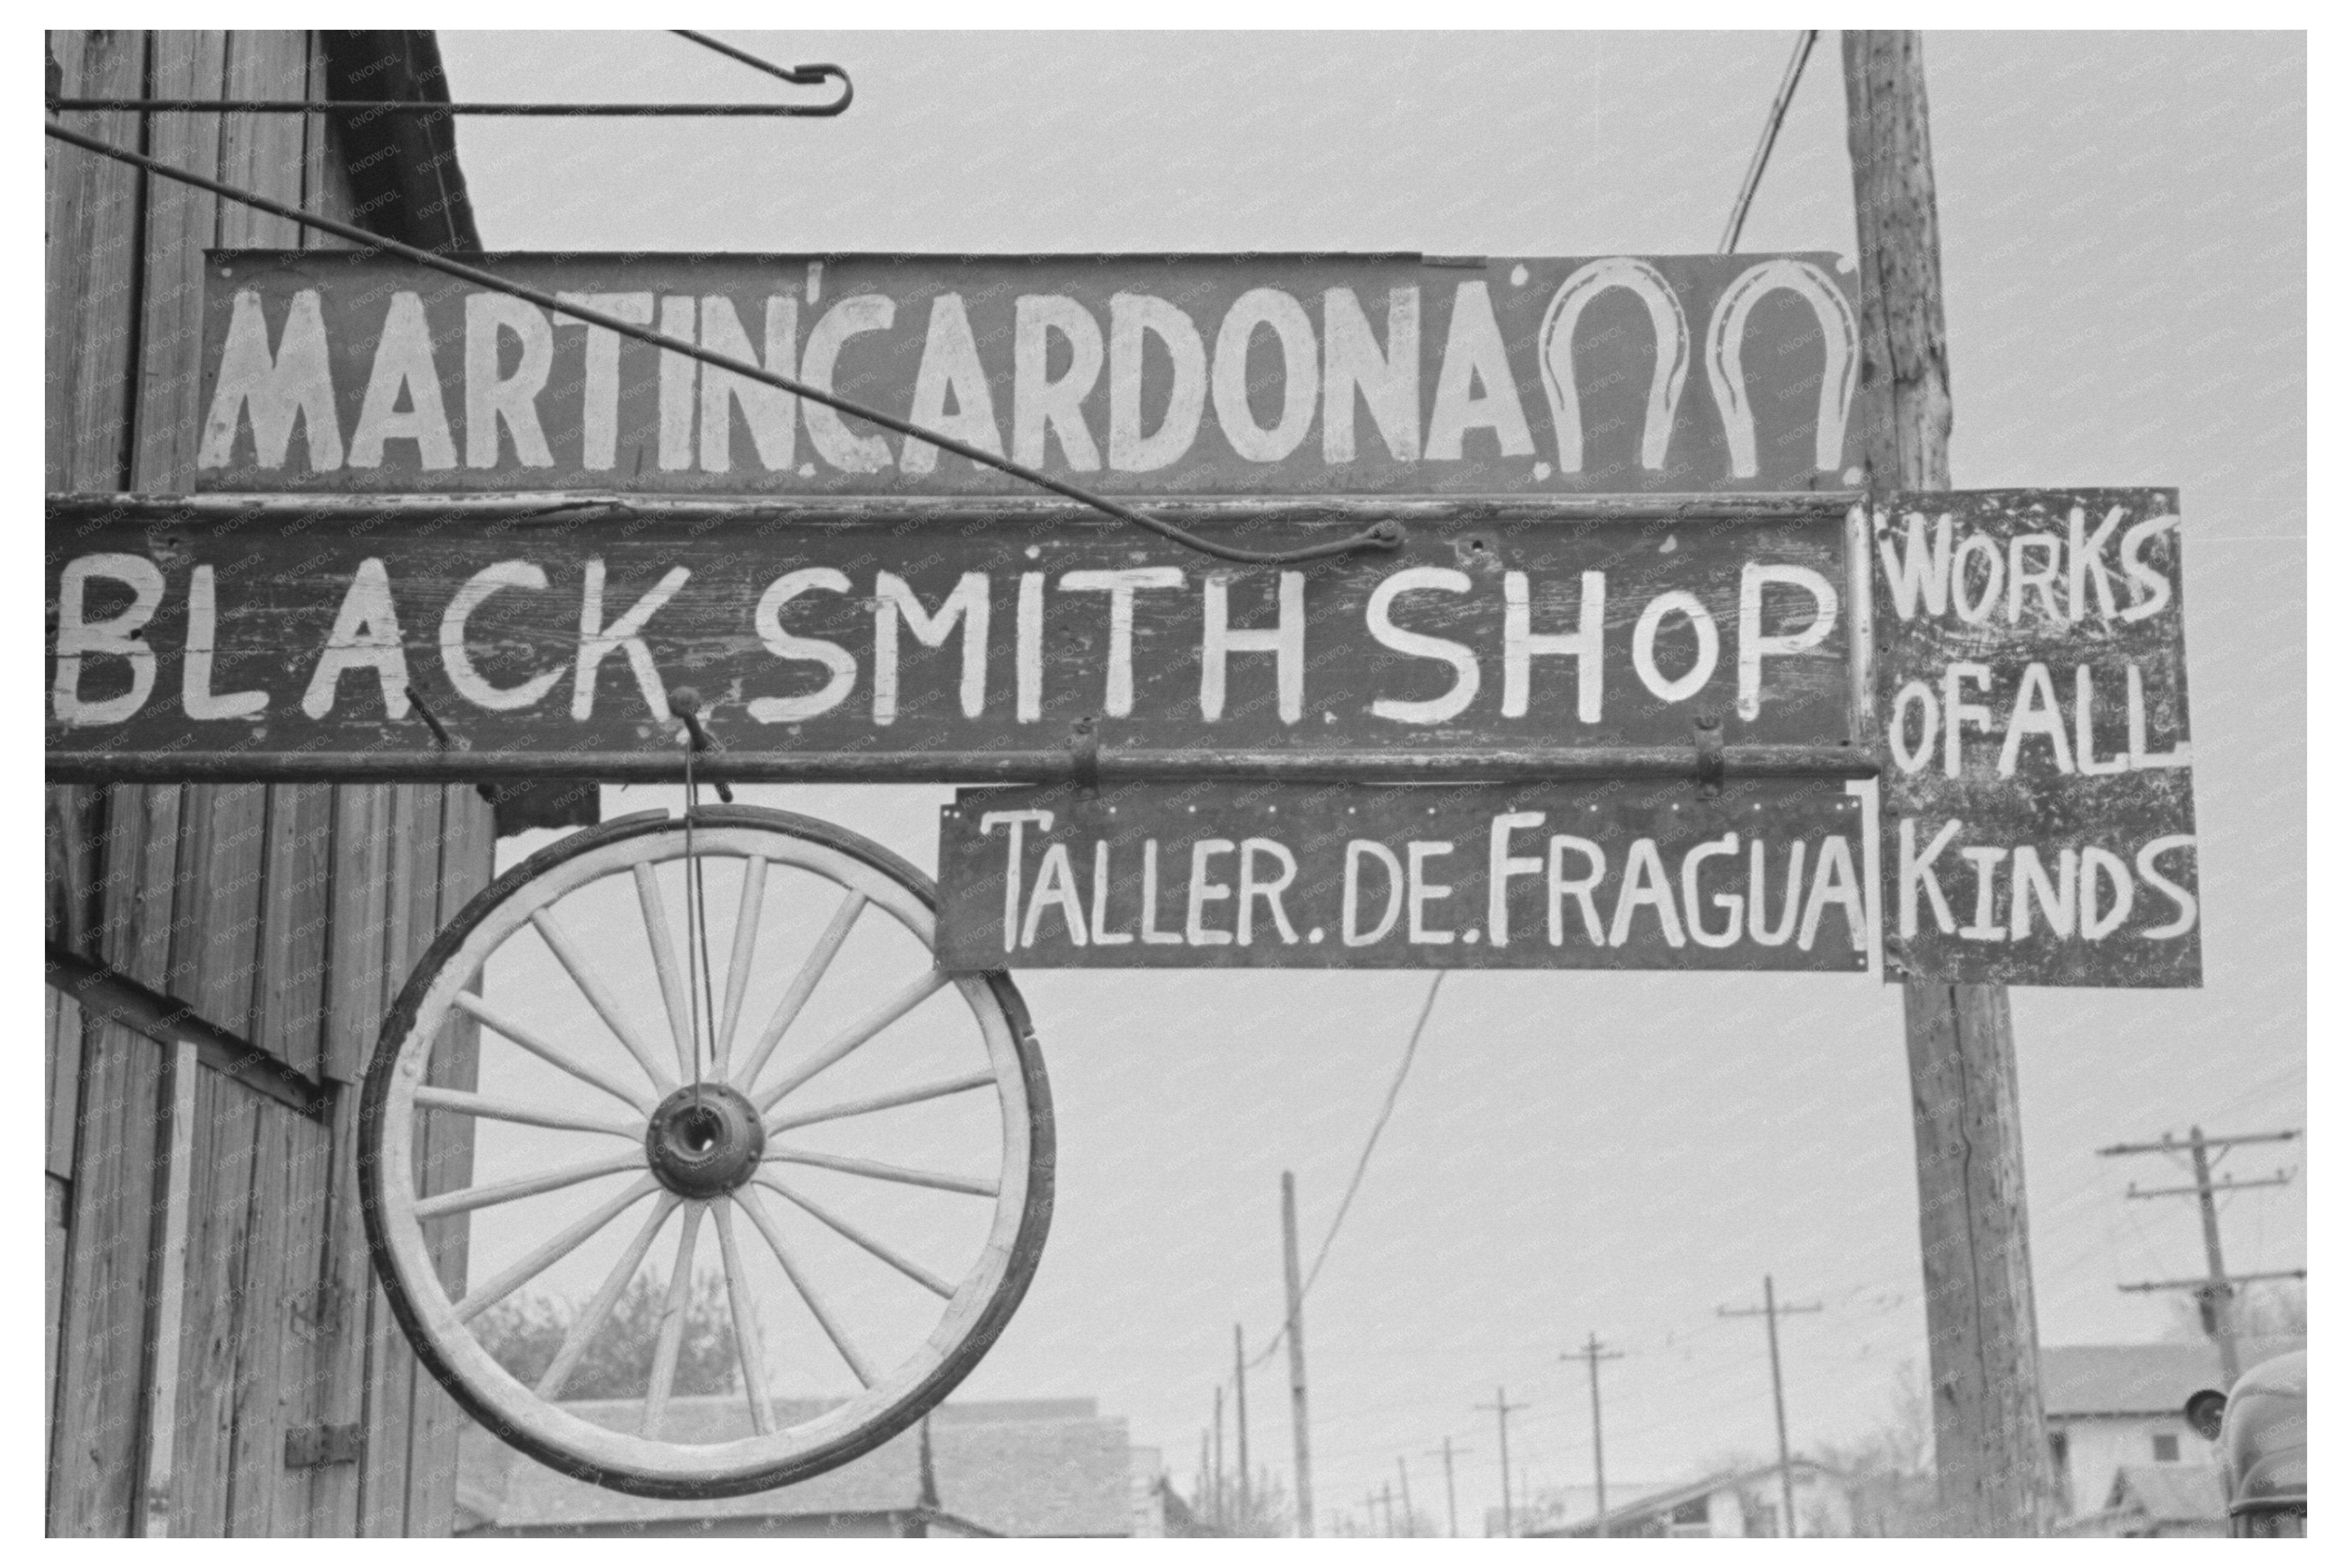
[1241, 1432]
[1994, 1464]
[1294, 1330]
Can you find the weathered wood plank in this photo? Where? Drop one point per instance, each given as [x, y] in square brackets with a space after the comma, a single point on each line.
[75, 829]
[96, 1457]
[180, 222]
[57, 1207]
[411, 906]
[446, 1162]
[266, 153]
[214, 958]
[93, 266]
[90, 275]
[334, 1326]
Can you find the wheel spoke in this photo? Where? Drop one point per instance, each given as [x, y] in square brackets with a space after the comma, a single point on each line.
[739, 963]
[673, 1323]
[465, 1200]
[465, 1103]
[599, 1307]
[555, 1250]
[882, 1102]
[584, 975]
[912, 1270]
[820, 958]
[530, 1039]
[747, 1357]
[912, 997]
[749, 1199]
[656, 919]
[882, 1173]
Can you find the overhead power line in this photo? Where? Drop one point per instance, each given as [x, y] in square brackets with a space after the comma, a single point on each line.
[1763, 154]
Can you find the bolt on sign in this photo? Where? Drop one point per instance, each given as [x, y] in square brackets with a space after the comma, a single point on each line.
[2037, 820]
[1169, 375]
[416, 642]
[1649, 874]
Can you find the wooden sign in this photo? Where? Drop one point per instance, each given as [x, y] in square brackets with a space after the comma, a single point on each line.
[2037, 827]
[1135, 374]
[417, 641]
[1629, 875]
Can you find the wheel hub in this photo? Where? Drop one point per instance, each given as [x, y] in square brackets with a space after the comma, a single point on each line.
[705, 1140]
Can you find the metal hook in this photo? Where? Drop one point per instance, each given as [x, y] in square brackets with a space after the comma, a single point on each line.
[687, 703]
[1709, 738]
[799, 76]
[441, 736]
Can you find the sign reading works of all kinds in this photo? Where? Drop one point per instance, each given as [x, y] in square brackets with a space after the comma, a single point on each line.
[2037, 822]
[1174, 375]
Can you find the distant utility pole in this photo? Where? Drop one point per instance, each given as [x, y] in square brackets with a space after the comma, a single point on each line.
[1502, 1409]
[1217, 1464]
[1592, 1355]
[1772, 1314]
[1405, 1489]
[1453, 1521]
[1293, 1328]
[1241, 1429]
[2214, 1292]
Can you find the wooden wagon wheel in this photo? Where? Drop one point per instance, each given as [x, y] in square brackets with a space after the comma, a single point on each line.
[710, 1141]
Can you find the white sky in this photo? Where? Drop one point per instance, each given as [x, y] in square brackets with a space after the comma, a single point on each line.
[2123, 225]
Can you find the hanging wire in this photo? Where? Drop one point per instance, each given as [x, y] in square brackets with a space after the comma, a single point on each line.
[1364, 1159]
[1763, 155]
[1384, 535]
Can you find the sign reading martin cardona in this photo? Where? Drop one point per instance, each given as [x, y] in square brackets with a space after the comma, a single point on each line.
[2037, 827]
[1134, 375]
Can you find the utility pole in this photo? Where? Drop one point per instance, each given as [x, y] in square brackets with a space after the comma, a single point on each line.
[1217, 1463]
[1993, 1469]
[1502, 1409]
[1453, 1521]
[2214, 1292]
[1241, 1429]
[1592, 1355]
[1772, 1314]
[1295, 1330]
[1387, 1512]
[1405, 1490]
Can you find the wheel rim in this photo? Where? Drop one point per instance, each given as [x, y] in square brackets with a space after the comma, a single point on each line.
[661, 1175]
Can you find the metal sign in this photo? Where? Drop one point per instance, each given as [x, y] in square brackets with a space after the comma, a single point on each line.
[431, 640]
[2038, 826]
[1170, 375]
[1627, 875]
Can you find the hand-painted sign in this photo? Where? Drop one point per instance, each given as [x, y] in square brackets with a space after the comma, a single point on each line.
[2037, 824]
[1186, 374]
[1627, 875]
[957, 645]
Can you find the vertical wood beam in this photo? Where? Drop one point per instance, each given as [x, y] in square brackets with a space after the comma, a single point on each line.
[1992, 1454]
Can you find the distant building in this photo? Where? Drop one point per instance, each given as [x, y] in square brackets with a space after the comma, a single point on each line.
[1007, 1467]
[1734, 1503]
[2112, 1407]
[2157, 1501]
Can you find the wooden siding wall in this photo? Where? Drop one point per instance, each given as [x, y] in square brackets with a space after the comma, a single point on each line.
[290, 914]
